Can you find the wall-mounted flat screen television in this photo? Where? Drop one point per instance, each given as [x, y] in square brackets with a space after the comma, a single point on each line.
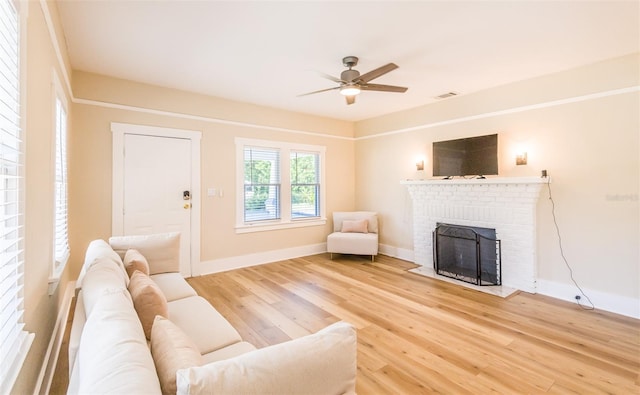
[473, 156]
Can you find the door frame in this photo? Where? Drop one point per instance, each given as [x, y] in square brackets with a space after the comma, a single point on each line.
[117, 204]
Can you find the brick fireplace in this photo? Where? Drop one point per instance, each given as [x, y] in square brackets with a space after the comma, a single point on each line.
[506, 204]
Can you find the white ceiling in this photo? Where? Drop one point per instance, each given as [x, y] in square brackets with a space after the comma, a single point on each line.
[267, 52]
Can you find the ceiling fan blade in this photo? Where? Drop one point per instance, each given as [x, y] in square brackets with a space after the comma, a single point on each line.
[321, 90]
[366, 77]
[350, 99]
[331, 78]
[383, 88]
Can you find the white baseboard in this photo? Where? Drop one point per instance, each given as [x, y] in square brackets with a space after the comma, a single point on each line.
[237, 262]
[396, 252]
[623, 305]
[50, 360]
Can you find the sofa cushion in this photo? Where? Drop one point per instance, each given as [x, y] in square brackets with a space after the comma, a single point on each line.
[161, 250]
[134, 260]
[228, 352]
[208, 329]
[114, 356]
[97, 251]
[354, 226]
[104, 276]
[171, 349]
[148, 300]
[322, 363]
[173, 286]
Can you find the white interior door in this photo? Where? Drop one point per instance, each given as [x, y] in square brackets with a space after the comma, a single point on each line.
[156, 178]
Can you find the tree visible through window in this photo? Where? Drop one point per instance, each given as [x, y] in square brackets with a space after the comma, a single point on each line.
[305, 184]
[261, 184]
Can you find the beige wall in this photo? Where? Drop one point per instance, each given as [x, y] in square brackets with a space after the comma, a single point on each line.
[91, 161]
[41, 309]
[587, 140]
[588, 144]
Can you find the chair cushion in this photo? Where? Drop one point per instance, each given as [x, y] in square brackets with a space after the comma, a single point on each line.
[208, 329]
[354, 226]
[171, 349]
[322, 363]
[353, 243]
[370, 216]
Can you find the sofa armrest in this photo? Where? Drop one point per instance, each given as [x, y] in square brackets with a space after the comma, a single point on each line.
[321, 363]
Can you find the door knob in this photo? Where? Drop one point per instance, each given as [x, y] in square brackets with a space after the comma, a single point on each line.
[187, 206]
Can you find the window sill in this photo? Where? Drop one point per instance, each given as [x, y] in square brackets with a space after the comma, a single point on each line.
[257, 227]
[54, 280]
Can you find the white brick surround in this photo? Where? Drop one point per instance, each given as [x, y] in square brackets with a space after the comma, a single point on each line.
[507, 205]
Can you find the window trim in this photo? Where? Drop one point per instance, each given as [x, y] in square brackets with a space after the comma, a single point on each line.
[317, 184]
[57, 267]
[285, 221]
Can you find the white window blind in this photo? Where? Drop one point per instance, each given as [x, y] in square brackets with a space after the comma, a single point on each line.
[305, 184]
[14, 341]
[61, 247]
[261, 184]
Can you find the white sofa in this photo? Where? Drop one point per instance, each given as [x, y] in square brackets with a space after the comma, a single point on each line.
[354, 232]
[195, 346]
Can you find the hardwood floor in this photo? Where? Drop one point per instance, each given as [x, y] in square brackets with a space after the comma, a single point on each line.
[420, 335]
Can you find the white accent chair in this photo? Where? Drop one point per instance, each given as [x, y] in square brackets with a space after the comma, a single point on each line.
[354, 232]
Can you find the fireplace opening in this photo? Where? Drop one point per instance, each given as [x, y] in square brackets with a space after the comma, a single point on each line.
[467, 253]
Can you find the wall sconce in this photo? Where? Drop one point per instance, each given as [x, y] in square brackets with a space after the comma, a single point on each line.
[420, 165]
[521, 159]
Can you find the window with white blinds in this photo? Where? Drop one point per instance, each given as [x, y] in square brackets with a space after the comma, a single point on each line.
[281, 185]
[261, 184]
[61, 243]
[14, 341]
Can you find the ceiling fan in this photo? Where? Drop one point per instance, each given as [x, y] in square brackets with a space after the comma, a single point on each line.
[351, 82]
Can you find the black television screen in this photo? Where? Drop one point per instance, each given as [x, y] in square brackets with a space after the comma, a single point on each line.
[473, 156]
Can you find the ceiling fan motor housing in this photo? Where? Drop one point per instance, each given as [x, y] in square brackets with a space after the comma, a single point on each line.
[349, 75]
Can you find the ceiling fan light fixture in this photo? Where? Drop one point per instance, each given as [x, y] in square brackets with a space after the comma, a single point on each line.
[350, 90]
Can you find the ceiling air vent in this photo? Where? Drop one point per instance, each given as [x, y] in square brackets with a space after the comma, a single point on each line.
[446, 95]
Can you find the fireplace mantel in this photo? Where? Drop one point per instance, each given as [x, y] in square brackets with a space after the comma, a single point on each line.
[478, 181]
[506, 204]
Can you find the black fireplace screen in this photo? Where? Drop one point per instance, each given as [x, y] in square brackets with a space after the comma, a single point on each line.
[467, 253]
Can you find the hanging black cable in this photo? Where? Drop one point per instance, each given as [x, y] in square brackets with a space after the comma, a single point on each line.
[564, 258]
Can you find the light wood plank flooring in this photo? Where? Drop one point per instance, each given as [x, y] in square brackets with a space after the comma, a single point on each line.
[420, 335]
